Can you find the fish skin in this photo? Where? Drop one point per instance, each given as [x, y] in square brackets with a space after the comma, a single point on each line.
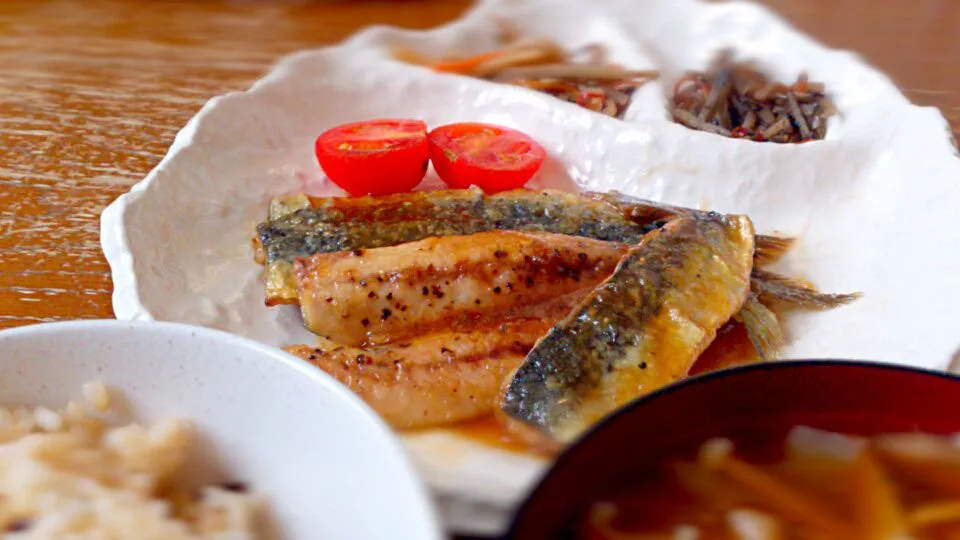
[380, 295]
[641, 329]
[435, 379]
[303, 226]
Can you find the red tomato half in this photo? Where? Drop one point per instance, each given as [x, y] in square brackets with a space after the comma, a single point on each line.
[375, 157]
[493, 158]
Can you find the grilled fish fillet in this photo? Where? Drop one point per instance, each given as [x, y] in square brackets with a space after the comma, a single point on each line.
[435, 379]
[642, 328]
[380, 295]
[302, 226]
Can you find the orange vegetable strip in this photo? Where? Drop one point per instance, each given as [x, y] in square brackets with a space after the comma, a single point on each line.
[880, 515]
[466, 65]
[925, 458]
[935, 514]
[779, 496]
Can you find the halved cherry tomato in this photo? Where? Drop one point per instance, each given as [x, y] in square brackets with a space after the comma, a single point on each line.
[494, 158]
[375, 157]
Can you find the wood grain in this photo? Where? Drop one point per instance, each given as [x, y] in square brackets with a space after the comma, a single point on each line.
[92, 93]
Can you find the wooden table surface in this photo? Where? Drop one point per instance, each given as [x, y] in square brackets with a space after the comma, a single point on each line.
[93, 92]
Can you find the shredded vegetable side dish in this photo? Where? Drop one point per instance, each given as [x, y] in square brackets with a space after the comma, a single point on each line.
[737, 100]
[582, 77]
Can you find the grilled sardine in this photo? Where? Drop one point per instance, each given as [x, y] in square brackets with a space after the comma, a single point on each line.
[436, 379]
[370, 296]
[642, 328]
[302, 226]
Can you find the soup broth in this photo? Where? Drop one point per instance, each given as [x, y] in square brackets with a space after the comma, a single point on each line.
[812, 485]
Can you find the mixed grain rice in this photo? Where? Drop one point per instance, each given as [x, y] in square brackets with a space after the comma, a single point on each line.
[67, 474]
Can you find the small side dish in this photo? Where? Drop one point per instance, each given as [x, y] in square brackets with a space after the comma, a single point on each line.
[732, 99]
[737, 100]
[815, 484]
[191, 416]
[71, 473]
[582, 77]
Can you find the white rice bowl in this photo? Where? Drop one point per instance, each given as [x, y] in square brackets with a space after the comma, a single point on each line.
[113, 430]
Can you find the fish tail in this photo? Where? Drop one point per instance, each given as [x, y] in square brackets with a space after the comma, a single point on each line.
[770, 249]
[763, 328]
[773, 288]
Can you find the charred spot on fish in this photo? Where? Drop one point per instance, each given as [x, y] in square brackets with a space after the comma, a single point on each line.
[444, 350]
[371, 294]
[499, 253]
[477, 301]
[357, 253]
[528, 281]
[312, 357]
[329, 299]
[437, 291]
[389, 296]
[509, 286]
[365, 322]
[425, 291]
[496, 290]
[380, 279]
[385, 314]
[363, 283]
[363, 359]
[642, 365]
[582, 256]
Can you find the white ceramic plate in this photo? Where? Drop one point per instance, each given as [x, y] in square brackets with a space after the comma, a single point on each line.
[873, 204]
[327, 465]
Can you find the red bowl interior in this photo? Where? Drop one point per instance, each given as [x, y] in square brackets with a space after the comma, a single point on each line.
[753, 405]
